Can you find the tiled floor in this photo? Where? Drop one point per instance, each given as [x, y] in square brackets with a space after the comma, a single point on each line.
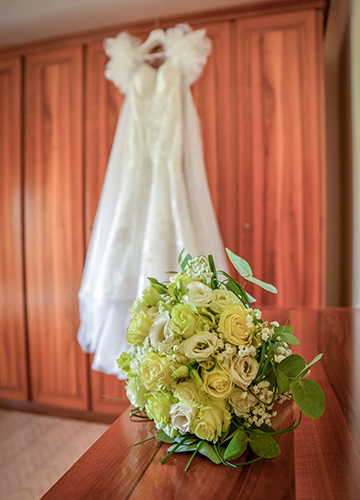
[36, 450]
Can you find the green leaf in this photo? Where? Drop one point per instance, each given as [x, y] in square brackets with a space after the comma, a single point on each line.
[261, 443]
[183, 448]
[237, 446]
[185, 261]
[283, 329]
[262, 284]
[164, 438]
[244, 269]
[208, 451]
[309, 397]
[307, 367]
[240, 264]
[292, 365]
[282, 381]
[158, 286]
[287, 337]
[266, 428]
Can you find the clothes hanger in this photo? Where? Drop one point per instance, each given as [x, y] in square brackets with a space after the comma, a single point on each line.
[155, 39]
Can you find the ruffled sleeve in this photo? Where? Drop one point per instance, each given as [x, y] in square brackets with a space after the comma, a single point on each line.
[188, 49]
[124, 59]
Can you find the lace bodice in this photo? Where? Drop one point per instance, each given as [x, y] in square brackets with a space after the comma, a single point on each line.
[184, 48]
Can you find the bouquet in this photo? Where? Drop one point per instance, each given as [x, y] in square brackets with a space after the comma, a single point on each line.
[207, 369]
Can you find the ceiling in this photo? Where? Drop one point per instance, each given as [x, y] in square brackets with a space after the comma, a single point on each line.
[29, 20]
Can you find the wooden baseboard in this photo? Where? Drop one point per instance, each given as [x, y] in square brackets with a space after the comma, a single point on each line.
[62, 412]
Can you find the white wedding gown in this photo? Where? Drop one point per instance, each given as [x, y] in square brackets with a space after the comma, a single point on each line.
[155, 199]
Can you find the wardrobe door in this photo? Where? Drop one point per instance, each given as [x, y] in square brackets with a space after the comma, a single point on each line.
[13, 359]
[214, 100]
[281, 183]
[54, 225]
[103, 103]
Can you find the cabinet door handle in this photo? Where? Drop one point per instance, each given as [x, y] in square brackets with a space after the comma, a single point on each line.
[246, 225]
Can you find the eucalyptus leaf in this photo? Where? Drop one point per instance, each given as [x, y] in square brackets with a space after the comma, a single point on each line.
[261, 443]
[292, 365]
[237, 446]
[309, 397]
[288, 338]
[266, 286]
[240, 264]
[283, 329]
[307, 367]
[282, 381]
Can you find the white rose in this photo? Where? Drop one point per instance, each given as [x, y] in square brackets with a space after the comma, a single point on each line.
[200, 346]
[241, 401]
[221, 299]
[243, 370]
[182, 415]
[160, 331]
[198, 294]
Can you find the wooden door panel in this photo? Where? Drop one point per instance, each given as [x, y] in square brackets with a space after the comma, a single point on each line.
[213, 95]
[54, 225]
[281, 171]
[103, 104]
[13, 358]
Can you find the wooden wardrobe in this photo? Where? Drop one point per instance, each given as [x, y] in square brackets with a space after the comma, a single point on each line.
[261, 106]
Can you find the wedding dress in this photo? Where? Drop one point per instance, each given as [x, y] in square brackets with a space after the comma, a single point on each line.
[155, 200]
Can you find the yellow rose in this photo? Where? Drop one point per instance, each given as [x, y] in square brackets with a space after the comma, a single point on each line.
[217, 382]
[138, 328]
[233, 325]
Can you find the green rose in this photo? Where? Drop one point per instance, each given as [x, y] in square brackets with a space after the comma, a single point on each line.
[138, 328]
[184, 320]
[179, 286]
[124, 362]
[158, 407]
[135, 392]
[137, 306]
[206, 319]
[151, 296]
[154, 372]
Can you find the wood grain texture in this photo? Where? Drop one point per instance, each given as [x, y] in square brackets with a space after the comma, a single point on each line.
[282, 181]
[213, 96]
[13, 359]
[320, 460]
[54, 234]
[331, 468]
